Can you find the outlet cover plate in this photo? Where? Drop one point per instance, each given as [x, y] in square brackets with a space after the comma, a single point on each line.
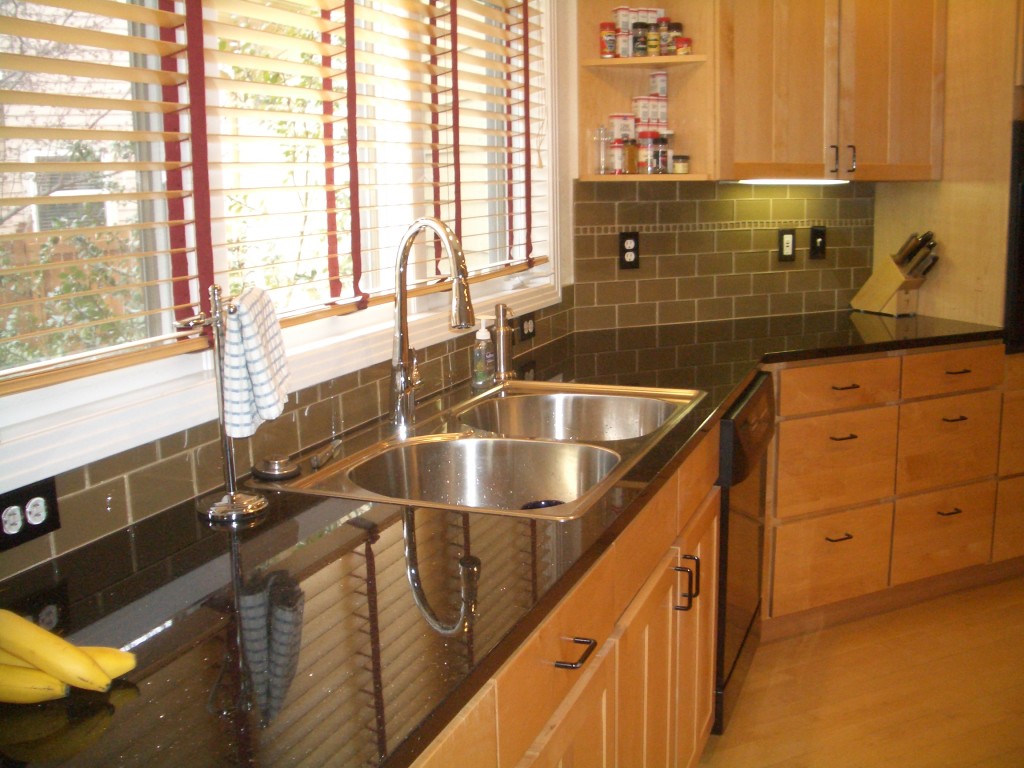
[787, 245]
[28, 513]
[527, 326]
[629, 250]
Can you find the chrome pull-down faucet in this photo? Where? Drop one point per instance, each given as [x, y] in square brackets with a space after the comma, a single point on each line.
[404, 379]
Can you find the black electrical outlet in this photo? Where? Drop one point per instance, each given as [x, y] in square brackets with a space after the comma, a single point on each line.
[527, 326]
[629, 250]
[787, 245]
[817, 243]
[28, 513]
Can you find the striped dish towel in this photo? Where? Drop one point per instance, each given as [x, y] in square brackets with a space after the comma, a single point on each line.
[255, 371]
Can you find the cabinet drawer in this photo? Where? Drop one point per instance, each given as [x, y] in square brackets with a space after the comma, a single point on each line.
[838, 386]
[952, 370]
[1011, 442]
[530, 687]
[836, 460]
[947, 440]
[1008, 539]
[942, 531]
[831, 558]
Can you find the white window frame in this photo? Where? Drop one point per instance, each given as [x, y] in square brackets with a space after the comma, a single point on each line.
[50, 430]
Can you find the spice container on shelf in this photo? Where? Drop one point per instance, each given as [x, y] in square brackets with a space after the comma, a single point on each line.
[647, 160]
[623, 44]
[659, 83]
[684, 46]
[640, 39]
[664, 31]
[653, 41]
[662, 153]
[680, 164]
[620, 15]
[617, 158]
[606, 40]
[629, 156]
[675, 31]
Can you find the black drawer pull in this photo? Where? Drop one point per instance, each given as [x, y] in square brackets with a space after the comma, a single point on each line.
[844, 537]
[954, 421]
[591, 645]
[843, 389]
[688, 595]
[954, 511]
[850, 436]
[958, 373]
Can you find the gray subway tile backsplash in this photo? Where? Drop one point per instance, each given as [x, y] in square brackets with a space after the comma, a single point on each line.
[707, 253]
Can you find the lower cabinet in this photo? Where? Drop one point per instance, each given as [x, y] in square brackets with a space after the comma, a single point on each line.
[942, 531]
[581, 732]
[836, 556]
[621, 673]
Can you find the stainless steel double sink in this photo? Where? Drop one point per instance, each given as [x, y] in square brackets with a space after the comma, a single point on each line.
[528, 449]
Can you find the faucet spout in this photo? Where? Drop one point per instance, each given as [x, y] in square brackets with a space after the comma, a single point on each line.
[404, 378]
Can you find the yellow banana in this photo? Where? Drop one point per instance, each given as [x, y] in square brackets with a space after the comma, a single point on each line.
[21, 685]
[18, 724]
[79, 734]
[113, 661]
[50, 653]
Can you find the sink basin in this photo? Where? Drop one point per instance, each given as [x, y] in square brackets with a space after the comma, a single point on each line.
[530, 478]
[574, 416]
[525, 448]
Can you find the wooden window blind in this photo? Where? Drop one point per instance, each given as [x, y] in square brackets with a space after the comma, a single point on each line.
[286, 144]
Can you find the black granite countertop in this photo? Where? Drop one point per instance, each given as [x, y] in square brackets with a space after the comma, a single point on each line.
[352, 675]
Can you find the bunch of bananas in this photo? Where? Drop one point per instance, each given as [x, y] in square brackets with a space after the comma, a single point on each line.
[37, 665]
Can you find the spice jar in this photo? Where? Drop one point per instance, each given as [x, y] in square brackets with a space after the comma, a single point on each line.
[629, 156]
[617, 158]
[653, 41]
[661, 155]
[684, 46]
[640, 39]
[647, 161]
[680, 164]
[607, 40]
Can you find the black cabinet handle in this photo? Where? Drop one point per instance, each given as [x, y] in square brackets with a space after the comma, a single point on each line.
[844, 537]
[843, 389]
[961, 372]
[591, 645]
[693, 582]
[835, 158]
[853, 158]
[850, 436]
[954, 421]
[954, 511]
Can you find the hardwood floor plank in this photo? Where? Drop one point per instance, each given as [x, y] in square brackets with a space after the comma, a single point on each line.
[939, 683]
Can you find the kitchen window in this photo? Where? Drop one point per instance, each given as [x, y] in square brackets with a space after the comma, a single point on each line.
[276, 154]
[279, 144]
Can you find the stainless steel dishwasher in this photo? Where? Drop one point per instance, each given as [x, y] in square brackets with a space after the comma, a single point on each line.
[747, 429]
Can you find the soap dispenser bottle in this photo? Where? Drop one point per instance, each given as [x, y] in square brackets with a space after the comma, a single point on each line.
[483, 358]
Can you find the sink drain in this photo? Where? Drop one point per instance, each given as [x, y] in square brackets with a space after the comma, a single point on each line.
[541, 504]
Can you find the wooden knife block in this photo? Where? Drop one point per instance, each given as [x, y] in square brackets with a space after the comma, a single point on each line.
[889, 291]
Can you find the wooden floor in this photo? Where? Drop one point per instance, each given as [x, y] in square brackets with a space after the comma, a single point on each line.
[936, 684]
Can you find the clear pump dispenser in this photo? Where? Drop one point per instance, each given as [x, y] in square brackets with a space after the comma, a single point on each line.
[483, 358]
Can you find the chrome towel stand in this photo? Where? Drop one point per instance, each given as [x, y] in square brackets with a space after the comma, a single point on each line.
[232, 508]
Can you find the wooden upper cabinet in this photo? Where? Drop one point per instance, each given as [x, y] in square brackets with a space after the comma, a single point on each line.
[824, 89]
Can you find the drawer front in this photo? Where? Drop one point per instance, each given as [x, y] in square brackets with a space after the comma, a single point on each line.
[831, 558]
[1008, 539]
[952, 370]
[644, 542]
[530, 687]
[942, 531]
[838, 386]
[1015, 372]
[947, 440]
[1011, 441]
[836, 460]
